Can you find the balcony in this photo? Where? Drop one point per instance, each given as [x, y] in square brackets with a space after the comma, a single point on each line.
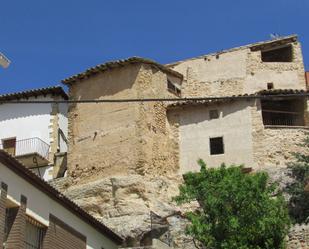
[32, 152]
[283, 112]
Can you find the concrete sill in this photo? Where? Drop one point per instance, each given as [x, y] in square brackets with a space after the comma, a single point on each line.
[285, 127]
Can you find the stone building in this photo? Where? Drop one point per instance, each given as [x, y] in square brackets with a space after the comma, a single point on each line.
[263, 111]
[123, 138]
[265, 116]
[126, 159]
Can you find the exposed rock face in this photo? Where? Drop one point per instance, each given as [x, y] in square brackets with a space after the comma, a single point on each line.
[299, 237]
[124, 204]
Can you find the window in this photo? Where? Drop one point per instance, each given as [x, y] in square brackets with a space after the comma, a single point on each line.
[288, 112]
[270, 86]
[213, 114]
[173, 88]
[9, 145]
[10, 215]
[216, 145]
[34, 234]
[283, 54]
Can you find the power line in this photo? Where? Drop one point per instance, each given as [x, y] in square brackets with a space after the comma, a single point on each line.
[190, 99]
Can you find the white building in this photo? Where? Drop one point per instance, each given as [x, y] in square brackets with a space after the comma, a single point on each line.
[36, 133]
[35, 215]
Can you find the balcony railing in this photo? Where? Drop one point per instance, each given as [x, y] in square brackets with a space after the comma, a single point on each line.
[29, 146]
[282, 118]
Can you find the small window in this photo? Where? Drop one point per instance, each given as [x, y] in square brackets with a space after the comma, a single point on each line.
[270, 86]
[10, 215]
[216, 145]
[9, 145]
[173, 88]
[283, 54]
[213, 114]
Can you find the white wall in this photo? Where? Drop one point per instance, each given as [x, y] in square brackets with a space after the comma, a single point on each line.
[39, 206]
[63, 125]
[25, 120]
[195, 129]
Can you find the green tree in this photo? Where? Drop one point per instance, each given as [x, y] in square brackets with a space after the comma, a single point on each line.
[299, 196]
[235, 210]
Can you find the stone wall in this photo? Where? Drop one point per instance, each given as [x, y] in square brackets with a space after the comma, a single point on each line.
[110, 139]
[298, 237]
[272, 146]
[239, 71]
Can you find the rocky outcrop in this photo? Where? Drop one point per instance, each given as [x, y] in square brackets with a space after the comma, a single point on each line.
[299, 237]
[124, 204]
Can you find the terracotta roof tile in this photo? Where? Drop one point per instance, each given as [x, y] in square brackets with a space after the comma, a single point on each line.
[33, 179]
[115, 64]
[53, 90]
[253, 46]
[260, 94]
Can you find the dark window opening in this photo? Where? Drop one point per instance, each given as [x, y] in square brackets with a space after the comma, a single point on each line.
[283, 112]
[283, 54]
[173, 88]
[213, 114]
[216, 145]
[270, 86]
[10, 215]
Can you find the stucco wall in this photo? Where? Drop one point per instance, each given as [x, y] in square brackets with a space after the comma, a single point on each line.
[109, 139]
[239, 71]
[63, 125]
[195, 129]
[39, 206]
[25, 120]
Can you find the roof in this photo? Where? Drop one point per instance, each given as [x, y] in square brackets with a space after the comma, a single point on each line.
[263, 94]
[116, 64]
[53, 90]
[253, 46]
[14, 165]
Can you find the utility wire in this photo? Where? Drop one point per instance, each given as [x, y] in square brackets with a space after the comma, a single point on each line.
[190, 99]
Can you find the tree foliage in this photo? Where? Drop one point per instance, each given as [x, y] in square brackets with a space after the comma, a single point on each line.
[299, 196]
[236, 210]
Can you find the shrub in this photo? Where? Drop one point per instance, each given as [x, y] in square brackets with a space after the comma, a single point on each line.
[236, 210]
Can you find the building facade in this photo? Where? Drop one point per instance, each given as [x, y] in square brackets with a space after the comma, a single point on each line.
[35, 215]
[261, 117]
[35, 133]
[110, 139]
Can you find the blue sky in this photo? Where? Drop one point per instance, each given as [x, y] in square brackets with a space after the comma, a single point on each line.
[51, 40]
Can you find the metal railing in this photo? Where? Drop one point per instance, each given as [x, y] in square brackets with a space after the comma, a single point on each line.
[282, 118]
[29, 146]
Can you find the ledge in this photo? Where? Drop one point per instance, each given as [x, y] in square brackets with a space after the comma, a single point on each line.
[285, 127]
